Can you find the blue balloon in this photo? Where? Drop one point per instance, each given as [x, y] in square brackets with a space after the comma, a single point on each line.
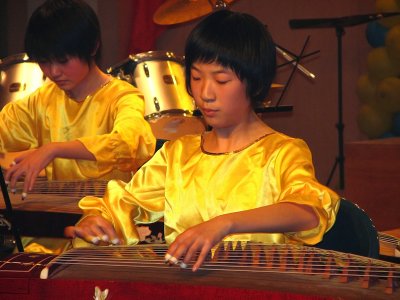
[376, 34]
[387, 135]
[396, 124]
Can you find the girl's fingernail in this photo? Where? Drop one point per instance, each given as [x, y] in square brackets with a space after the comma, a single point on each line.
[167, 257]
[174, 260]
[115, 242]
[95, 240]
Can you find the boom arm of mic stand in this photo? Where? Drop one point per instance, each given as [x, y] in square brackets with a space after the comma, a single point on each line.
[339, 22]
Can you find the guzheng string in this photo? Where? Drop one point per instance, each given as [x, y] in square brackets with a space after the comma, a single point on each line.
[77, 188]
[64, 195]
[259, 258]
[387, 240]
[296, 269]
[56, 196]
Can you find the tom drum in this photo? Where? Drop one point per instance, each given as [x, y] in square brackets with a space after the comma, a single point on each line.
[159, 75]
[18, 78]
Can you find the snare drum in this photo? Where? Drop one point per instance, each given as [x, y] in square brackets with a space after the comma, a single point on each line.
[168, 107]
[18, 78]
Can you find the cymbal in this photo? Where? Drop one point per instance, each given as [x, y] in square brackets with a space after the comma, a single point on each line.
[179, 11]
[277, 85]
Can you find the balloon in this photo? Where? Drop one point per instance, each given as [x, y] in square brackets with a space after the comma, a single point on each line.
[392, 43]
[372, 122]
[387, 135]
[396, 124]
[366, 90]
[376, 34]
[388, 6]
[379, 65]
[388, 94]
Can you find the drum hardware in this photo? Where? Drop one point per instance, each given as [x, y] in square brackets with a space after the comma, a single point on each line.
[123, 70]
[156, 104]
[16, 87]
[146, 70]
[126, 77]
[277, 85]
[273, 109]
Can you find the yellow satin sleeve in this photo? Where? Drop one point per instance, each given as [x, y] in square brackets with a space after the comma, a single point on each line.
[110, 123]
[186, 186]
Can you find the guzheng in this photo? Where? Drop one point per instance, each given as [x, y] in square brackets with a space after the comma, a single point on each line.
[51, 202]
[56, 203]
[390, 243]
[56, 196]
[232, 271]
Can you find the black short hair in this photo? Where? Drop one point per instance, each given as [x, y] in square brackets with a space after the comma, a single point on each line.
[61, 28]
[237, 41]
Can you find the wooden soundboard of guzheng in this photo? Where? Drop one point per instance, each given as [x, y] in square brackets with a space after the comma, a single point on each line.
[55, 196]
[232, 271]
[50, 202]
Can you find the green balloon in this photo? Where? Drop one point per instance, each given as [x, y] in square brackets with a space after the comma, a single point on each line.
[379, 65]
[388, 94]
[366, 90]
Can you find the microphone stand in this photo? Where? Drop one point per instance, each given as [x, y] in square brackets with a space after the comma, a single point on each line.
[339, 161]
[339, 24]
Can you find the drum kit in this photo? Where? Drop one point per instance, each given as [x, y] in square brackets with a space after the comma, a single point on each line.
[159, 75]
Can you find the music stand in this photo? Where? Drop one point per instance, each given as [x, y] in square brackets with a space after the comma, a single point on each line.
[9, 211]
[295, 61]
[338, 24]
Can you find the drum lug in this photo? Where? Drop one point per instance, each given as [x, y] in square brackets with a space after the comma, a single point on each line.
[146, 70]
[156, 103]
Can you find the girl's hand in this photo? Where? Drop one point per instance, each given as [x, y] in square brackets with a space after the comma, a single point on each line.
[29, 165]
[197, 240]
[94, 229]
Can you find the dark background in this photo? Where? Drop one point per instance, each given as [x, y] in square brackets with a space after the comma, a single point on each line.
[315, 108]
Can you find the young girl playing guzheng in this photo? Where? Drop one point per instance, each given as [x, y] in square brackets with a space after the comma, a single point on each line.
[81, 123]
[239, 181]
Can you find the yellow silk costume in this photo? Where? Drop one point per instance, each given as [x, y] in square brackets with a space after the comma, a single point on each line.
[109, 123]
[185, 185]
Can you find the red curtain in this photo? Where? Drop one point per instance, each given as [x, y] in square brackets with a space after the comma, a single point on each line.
[144, 31]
